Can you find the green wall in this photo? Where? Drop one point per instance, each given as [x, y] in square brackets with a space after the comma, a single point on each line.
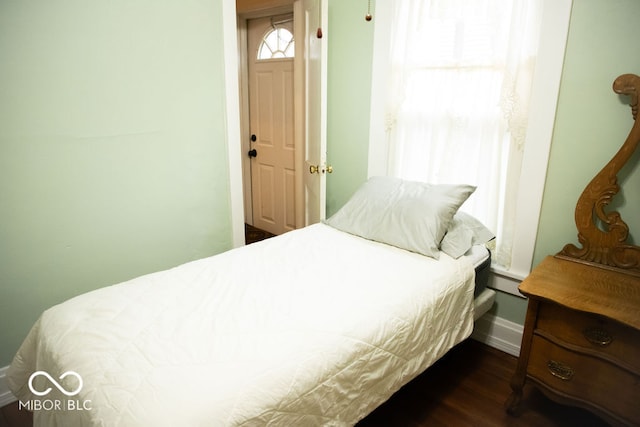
[349, 93]
[112, 155]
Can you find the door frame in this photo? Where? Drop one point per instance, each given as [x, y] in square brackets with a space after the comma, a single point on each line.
[232, 132]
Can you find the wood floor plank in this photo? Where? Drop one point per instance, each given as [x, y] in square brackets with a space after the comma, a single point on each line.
[3, 421]
[468, 387]
[14, 417]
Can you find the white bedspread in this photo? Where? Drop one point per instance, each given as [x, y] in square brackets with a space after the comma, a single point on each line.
[315, 327]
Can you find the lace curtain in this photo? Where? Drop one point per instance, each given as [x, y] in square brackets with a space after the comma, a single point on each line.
[459, 87]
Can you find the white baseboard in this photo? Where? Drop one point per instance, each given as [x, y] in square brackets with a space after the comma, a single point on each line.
[498, 333]
[489, 329]
[6, 397]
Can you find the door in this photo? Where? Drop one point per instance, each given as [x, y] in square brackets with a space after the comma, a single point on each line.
[271, 116]
[311, 83]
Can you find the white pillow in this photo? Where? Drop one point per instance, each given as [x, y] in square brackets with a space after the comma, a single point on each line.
[406, 214]
[464, 232]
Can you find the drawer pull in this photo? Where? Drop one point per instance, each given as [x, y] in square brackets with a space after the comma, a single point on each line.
[558, 370]
[598, 336]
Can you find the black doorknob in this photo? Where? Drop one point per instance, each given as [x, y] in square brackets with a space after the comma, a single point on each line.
[252, 153]
[254, 138]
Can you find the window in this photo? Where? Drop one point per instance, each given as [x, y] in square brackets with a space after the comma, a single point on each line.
[277, 43]
[460, 81]
[527, 135]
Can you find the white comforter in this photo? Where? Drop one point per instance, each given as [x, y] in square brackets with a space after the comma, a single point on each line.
[315, 327]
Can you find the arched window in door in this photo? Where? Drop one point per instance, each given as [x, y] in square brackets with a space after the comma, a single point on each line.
[277, 43]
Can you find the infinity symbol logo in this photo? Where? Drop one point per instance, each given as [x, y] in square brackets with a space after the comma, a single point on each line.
[55, 383]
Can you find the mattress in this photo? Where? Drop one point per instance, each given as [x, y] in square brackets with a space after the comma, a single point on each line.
[321, 329]
[480, 257]
[484, 298]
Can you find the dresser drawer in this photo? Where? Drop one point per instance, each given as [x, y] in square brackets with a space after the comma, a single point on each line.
[589, 379]
[612, 340]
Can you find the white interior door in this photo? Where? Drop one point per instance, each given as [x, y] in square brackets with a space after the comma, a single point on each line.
[311, 34]
[271, 117]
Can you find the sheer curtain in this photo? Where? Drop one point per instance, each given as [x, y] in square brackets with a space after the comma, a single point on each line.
[459, 81]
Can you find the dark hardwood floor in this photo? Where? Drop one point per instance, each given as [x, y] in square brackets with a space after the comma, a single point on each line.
[253, 234]
[467, 387]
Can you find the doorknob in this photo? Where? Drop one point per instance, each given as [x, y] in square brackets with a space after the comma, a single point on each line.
[252, 153]
[317, 169]
[254, 138]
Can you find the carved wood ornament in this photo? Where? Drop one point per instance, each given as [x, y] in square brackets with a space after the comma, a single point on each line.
[603, 235]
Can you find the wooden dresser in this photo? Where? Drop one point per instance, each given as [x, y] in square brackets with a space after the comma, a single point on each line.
[581, 343]
[581, 339]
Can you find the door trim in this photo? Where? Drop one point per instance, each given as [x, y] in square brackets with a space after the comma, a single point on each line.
[233, 126]
[244, 117]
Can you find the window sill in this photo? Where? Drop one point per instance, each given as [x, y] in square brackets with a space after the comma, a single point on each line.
[506, 281]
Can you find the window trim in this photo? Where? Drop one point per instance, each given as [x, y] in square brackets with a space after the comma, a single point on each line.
[546, 85]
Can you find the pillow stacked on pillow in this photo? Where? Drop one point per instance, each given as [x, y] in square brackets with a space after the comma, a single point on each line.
[464, 232]
[410, 215]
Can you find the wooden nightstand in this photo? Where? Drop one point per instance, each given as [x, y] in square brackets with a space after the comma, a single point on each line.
[581, 341]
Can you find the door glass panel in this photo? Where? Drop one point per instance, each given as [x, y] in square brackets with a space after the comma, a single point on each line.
[277, 43]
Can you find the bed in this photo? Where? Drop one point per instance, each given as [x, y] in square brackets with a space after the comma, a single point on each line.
[318, 326]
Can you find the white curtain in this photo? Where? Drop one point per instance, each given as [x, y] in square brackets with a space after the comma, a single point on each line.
[458, 95]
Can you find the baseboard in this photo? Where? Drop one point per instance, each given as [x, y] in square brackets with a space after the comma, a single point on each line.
[498, 333]
[6, 397]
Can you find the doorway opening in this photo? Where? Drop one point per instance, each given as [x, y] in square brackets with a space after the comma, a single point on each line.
[283, 117]
[272, 146]
[266, 46]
